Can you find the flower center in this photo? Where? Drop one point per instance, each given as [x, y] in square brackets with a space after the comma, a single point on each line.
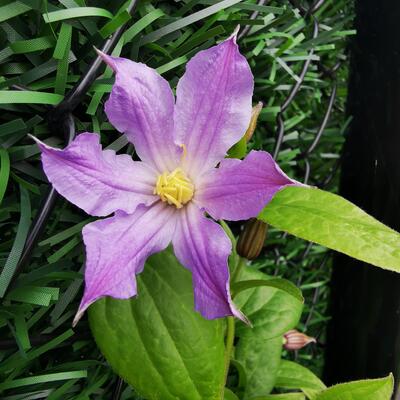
[175, 188]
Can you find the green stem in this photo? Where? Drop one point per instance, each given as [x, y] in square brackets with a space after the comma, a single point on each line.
[230, 328]
[236, 273]
[230, 337]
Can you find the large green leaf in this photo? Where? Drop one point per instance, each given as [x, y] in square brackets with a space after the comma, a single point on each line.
[272, 312]
[261, 359]
[334, 222]
[157, 342]
[371, 389]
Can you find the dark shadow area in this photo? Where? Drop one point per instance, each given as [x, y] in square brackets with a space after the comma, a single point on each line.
[364, 333]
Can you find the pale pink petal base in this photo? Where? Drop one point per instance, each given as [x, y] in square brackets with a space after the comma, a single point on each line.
[117, 247]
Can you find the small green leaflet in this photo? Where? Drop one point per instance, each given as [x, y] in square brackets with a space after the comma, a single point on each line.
[334, 222]
[370, 389]
[277, 283]
[294, 376]
[285, 396]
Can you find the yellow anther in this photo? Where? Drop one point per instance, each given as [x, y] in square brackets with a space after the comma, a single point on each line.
[174, 188]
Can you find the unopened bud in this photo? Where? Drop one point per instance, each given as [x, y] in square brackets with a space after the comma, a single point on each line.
[295, 340]
[252, 238]
[255, 112]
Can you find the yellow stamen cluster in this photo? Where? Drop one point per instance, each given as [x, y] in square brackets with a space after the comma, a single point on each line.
[174, 188]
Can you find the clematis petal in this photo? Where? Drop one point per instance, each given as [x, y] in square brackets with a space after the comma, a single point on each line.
[141, 105]
[99, 182]
[239, 189]
[202, 246]
[213, 106]
[117, 247]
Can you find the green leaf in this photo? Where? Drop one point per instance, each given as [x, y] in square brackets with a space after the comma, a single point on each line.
[21, 332]
[63, 41]
[76, 12]
[30, 295]
[334, 222]
[285, 396]
[272, 313]
[238, 150]
[117, 21]
[12, 10]
[28, 97]
[19, 360]
[61, 252]
[261, 359]
[19, 242]
[29, 46]
[190, 19]
[60, 376]
[277, 283]
[24, 183]
[63, 44]
[4, 172]
[172, 64]
[15, 125]
[65, 234]
[229, 395]
[370, 389]
[294, 376]
[138, 26]
[157, 342]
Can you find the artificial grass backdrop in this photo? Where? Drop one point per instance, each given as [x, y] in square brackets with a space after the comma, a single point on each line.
[45, 47]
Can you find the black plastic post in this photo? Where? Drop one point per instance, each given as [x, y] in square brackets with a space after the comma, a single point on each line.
[364, 333]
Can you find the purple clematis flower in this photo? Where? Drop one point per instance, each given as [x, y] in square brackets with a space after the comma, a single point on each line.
[163, 198]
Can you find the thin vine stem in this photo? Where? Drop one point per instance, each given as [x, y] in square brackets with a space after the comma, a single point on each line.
[230, 337]
[230, 328]
[239, 266]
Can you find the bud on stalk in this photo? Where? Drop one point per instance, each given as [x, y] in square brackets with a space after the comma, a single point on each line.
[252, 238]
[295, 340]
[255, 112]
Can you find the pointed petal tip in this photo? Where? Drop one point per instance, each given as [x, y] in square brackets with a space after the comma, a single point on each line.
[106, 58]
[81, 310]
[234, 34]
[238, 314]
[42, 146]
[99, 52]
[34, 138]
[77, 317]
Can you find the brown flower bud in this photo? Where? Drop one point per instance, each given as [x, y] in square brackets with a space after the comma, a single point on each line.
[255, 112]
[252, 238]
[295, 340]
